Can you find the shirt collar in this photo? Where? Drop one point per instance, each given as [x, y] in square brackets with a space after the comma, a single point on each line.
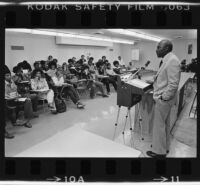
[166, 57]
[8, 83]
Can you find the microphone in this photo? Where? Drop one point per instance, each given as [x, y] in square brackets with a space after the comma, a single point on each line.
[142, 68]
[147, 63]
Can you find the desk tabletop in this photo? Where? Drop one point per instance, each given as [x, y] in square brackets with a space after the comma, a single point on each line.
[184, 78]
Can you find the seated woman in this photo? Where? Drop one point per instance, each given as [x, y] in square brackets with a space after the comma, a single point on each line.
[23, 88]
[52, 69]
[106, 81]
[68, 89]
[13, 100]
[39, 83]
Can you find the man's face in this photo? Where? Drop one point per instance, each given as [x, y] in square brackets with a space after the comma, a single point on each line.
[74, 58]
[103, 58]
[119, 57]
[8, 77]
[82, 57]
[161, 49]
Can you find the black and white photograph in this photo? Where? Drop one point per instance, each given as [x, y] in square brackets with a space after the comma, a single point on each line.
[110, 93]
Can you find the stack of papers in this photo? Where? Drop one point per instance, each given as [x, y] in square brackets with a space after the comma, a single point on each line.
[138, 83]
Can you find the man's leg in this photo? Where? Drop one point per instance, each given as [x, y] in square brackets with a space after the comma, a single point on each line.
[106, 82]
[161, 112]
[68, 91]
[28, 111]
[113, 82]
[34, 100]
[100, 86]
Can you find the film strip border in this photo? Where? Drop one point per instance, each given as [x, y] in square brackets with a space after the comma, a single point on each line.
[137, 16]
[76, 169]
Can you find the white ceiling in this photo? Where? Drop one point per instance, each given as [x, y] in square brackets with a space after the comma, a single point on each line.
[171, 34]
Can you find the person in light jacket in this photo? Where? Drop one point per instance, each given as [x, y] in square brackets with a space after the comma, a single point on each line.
[166, 83]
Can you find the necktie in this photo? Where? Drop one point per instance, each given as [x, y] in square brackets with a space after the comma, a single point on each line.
[161, 62]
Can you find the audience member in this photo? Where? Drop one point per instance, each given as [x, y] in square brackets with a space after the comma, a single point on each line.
[93, 82]
[116, 68]
[13, 99]
[107, 80]
[110, 72]
[37, 65]
[40, 83]
[45, 66]
[81, 61]
[68, 88]
[121, 62]
[26, 67]
[52, 69]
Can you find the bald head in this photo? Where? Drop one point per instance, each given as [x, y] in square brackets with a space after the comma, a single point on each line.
[163, 48]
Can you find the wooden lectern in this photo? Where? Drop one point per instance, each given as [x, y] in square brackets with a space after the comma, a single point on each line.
[129, 93]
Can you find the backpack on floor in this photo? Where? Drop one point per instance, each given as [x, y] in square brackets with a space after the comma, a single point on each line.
[60, 105]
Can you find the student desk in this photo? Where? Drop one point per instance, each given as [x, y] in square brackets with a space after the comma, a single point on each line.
[146, 107]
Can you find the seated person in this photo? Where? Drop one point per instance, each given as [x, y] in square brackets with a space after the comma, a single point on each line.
[108, 80]
[49, 59]
[116, 68]
[52, 69]
[12, 100]
[37, 65]
[130, 66]
[23, 88]
[39, 83]
[81, 61]
[110, 72]
[44, 66]
[19, 75]
[94, 83]
[56, 61]
[25, 66]
[72, 68]
[68, 90]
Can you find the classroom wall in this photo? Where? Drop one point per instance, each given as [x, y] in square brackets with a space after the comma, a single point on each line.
[37, 47]
[148, 48]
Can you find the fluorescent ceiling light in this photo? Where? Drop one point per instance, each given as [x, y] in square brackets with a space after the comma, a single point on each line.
[70, 35]
[136, 34]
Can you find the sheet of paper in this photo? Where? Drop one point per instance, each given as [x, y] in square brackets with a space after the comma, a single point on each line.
[22, 99]
[138, 83]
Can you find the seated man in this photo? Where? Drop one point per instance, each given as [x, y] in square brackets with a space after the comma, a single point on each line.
[23, 88]
[108, 80]
[39, 83]
[92, 76]
[13, 100]
[110, 72]
[117, 68]
[68, 89]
